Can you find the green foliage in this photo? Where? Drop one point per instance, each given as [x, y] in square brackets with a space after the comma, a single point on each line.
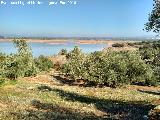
[22, 46]
[156, 66]
[63, 52]
[116, 68]
[58, 65]
[130, 44]
[150, 52]
[43, 63]
[2, 61]
[20, 64]
[74, 67]
[2, 80]
[118, 45]
[111, 68]
[154, 18]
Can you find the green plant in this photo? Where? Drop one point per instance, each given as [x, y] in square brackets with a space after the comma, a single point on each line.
[150, 52]
[43, 63]
[131, 44]
[111, 68]
[2, 80]
[63, 52]
[20, 64]
[74, 67]
[57, 66]
[153, 23]
[118, 45]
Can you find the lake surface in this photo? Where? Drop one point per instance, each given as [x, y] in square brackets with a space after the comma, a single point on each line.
[51, 49]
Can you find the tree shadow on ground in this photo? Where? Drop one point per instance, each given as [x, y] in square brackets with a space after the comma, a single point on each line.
[114, 109]
[64, 80]
[49, 111]
[150, 92]
[71, 82]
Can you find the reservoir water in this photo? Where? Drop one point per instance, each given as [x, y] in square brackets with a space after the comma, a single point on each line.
[51, 49]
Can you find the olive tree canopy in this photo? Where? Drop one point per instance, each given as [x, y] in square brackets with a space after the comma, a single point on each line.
[153, 23]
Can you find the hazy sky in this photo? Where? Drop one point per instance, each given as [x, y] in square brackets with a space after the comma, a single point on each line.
[120, 18]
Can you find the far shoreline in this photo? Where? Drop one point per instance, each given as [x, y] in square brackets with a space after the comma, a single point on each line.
[66, 41]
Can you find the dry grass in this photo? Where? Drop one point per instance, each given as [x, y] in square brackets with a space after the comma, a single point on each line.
[126, 47]
[45, 97]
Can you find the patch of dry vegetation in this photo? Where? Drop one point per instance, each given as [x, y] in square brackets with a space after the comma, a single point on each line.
[46, 97]
[121, 46]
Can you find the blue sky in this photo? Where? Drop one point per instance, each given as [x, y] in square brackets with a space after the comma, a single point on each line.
[105, 18]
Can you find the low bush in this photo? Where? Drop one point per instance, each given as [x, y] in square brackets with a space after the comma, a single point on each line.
[117, 68]
[19, 66]
[111, 68]
[74, 67]
[58, 65]
[22, 63]
[2, 80]
[63, 52]
[43, 63]
[118, 45]
[150, 52]
[131, 44]
[156, 66]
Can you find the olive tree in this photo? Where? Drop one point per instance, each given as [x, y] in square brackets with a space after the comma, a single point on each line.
[153, 23]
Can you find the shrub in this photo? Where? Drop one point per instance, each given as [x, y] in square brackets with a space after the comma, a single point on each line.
[111, 68]
[63, 52]
[118, 45]
[74, 67]
[20, 64]
[12, 68]
[94, 64]
[150, 52]
[156, 66]
[58, 65]
[1, 81]
[2, 63]
[43, 63]
[131, 44]
[115, 68]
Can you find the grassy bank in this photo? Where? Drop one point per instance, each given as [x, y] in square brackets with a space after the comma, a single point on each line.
[48, 97]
